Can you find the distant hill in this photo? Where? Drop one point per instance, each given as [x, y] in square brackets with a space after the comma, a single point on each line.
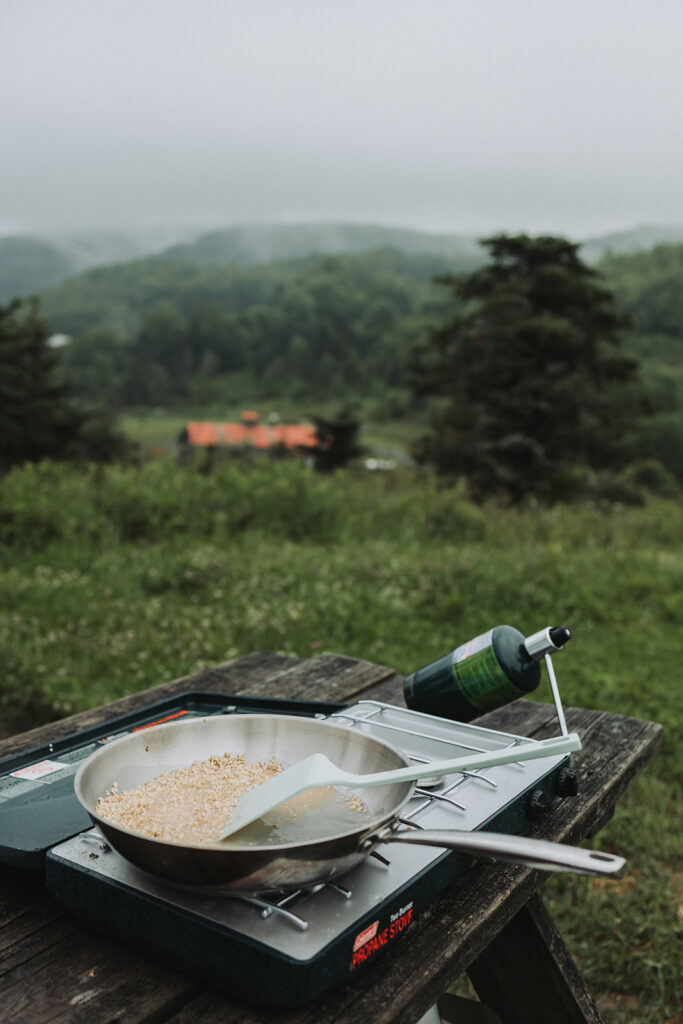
[99, 248]
[32, 263]
[29, 263]
[638, 239]
[259, 243]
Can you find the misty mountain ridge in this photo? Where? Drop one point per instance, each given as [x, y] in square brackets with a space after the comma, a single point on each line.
[30, 263]
[621, 243]
[263, 243]
[109, 245]
[257, 243]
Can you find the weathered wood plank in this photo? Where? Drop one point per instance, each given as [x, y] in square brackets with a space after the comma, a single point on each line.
[238, 675]
[21, 895]
[33, 942]
[80, 976]
[527, 974]
[331, 677]
[513, 717]
[28, 933]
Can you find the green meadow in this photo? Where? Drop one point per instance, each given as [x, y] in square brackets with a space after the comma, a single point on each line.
[116, 578]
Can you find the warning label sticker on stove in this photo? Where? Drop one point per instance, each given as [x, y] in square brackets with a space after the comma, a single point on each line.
[375, 936]
[37, 772]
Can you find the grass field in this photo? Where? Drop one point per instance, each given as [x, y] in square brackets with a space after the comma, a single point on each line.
[116, 579]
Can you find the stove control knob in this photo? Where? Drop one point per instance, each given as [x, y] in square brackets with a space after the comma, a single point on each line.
[538, 804]
[566, 783]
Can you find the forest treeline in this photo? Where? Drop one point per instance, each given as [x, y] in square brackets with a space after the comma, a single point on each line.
[648, 289]
[157, 332]
[178, 333]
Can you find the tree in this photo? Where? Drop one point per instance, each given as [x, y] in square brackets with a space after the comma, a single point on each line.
[38, 419]
[160, 359]
[96, 363]
[527, 373]
[337, 440]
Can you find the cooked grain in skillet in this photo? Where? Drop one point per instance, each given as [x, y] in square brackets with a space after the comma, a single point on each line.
[187, 805]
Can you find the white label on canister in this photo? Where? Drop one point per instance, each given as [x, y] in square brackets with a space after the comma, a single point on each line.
[466, 651]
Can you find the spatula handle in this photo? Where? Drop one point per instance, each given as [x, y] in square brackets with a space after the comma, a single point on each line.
[488, 759]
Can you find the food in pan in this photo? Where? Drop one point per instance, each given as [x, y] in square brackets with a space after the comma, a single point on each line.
[191, 805]
[187, 805]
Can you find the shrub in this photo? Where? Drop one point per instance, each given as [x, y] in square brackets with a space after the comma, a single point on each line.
[44, 501]
[650, 475]
[159, 500]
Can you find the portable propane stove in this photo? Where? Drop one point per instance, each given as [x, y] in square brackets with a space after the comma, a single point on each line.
[304, 942]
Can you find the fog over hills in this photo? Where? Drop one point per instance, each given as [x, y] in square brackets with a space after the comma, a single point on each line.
[30, 263]
[258, 243]
[634, 240]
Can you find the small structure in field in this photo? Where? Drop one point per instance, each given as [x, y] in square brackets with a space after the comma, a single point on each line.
[251, 434]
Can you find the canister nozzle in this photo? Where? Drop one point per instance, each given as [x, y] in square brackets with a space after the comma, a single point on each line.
[559, 635]
[548, 640]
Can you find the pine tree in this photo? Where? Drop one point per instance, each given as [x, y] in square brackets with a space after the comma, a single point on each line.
[337, 440]
[38, 419]
[529, 380]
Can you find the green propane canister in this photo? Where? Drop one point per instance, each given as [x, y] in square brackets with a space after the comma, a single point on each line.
[493, 669]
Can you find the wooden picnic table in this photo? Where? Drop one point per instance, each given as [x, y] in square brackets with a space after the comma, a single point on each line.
[495, 926]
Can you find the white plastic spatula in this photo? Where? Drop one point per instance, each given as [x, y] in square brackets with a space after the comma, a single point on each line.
[317, 770]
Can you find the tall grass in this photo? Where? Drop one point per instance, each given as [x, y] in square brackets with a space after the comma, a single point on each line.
[119, 578]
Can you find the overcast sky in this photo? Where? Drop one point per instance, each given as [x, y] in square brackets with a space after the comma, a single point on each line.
[453, 115]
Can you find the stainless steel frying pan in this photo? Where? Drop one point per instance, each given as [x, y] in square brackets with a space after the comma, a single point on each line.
[317, 847]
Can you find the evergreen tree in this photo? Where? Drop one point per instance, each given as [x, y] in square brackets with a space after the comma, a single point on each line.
[528, 375]
[38, 419]
[337, 440]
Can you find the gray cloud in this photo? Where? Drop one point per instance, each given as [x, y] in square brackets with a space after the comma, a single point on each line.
[453, 115]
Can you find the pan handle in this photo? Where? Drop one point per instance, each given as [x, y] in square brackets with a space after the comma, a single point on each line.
[534, 853]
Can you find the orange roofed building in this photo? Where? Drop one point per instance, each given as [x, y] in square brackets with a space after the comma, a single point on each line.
[251, 433]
